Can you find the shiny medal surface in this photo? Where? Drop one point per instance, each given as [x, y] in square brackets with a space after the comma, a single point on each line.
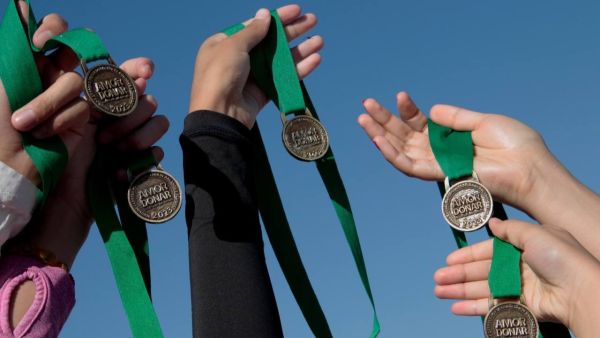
[512, 320]
[154, 196]
[467, 205]
[109, 89]
[304, 137]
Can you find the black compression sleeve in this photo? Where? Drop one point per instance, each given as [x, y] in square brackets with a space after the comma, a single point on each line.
[232, 294]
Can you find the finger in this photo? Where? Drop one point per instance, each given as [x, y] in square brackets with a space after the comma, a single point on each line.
[121, 174]
[254, 32]
[121, 128]
[477, 252]
[73, 115]
[23, 9]
[63, 91]
[513, 231]
[478, 307]
[389, 122]
[396, 158]
[51, 26]
[289, 13]
[146, 135]
[456, 118]
[300, 26]
[410, 113]
[308, 65]
[470, 290]
[462, 273]
[307, 48]
[72, 138]
[371, 127]
[138, 68]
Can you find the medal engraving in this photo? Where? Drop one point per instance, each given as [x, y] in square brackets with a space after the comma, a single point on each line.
[510, 320]
[110, 90]
[154, 196]
[305, 138]
[467, 206]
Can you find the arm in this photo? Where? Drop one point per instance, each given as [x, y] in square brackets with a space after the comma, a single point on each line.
[511, 160]
[231, 291]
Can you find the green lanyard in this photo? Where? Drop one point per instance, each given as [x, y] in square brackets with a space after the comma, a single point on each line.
[273, 68]
[22, 84]
[127, 247]
[454, 152]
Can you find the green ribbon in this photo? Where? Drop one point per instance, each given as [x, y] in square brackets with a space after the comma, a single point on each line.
[22, 84]
[453, 150]
[132, 277]
[127, 246]
[273, 69]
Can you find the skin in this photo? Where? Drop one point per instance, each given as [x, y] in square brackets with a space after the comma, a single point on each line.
[221, 77]
[559, 277]
[511, 160]
[66, 218]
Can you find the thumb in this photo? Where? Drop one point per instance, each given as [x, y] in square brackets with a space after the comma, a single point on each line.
[515, 232]
[254, 32]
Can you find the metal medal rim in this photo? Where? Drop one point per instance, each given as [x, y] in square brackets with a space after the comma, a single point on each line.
[114, 69]
[138, 214]
[456, 186]
[286, 125]
[524, 308]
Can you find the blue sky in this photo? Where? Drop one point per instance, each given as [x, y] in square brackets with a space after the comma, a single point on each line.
[538, 61]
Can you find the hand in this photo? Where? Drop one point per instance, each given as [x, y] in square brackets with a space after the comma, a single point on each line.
[558, 275]
[221, 79]
[510, 159]
[66, 217]
[59, 110]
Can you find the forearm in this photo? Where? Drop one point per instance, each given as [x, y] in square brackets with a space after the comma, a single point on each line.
[559, 198]
[231, 290]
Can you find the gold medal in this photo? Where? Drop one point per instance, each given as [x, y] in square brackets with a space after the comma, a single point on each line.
[110, 90]
[305, 138]
[154, 196]
[510, 320]
[467, 205]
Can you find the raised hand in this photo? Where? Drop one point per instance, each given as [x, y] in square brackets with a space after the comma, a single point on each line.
[66, 219]
[59, 110]
[558, 276]
[511, 160]
[221, 79]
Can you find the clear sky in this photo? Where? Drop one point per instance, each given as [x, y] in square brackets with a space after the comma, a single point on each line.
[538, 61]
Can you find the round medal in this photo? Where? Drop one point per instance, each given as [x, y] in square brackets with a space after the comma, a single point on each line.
[110, 90]
[467, 206]
[154, 196]
[510, 320]
[305, 138]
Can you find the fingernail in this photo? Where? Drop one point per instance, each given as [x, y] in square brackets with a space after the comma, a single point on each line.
[376, 146]
[494, 220]
[263, 13]
[363, 101]
[147, 71]
[24, 120]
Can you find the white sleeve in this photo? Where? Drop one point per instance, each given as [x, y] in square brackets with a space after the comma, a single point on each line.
[17, 200]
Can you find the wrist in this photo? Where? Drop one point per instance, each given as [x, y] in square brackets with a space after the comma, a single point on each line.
[582, 319]
[221, 107]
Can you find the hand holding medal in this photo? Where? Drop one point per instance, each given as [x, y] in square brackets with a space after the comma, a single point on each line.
[555, 289]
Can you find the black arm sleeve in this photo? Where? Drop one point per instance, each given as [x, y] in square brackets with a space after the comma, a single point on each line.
[232, 294]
